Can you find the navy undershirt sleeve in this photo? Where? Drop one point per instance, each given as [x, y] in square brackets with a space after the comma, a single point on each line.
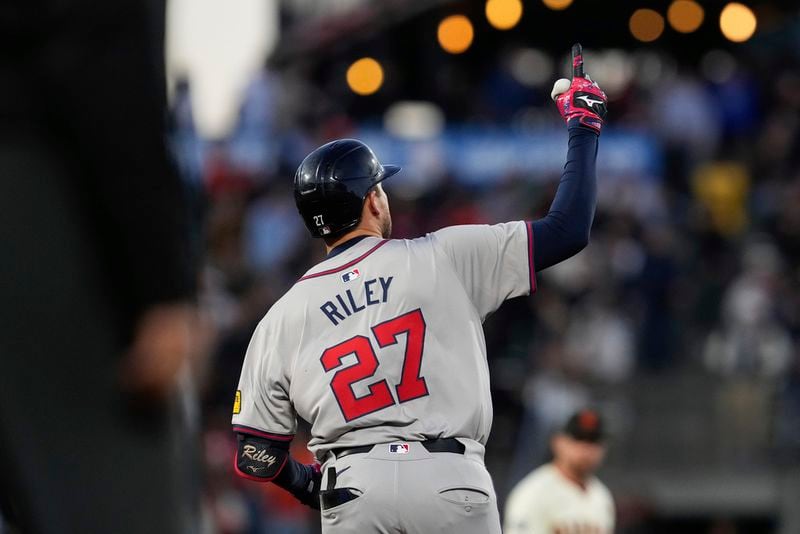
[564, 231]
[294, 477]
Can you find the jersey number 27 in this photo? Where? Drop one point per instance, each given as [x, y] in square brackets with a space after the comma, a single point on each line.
[411, 386]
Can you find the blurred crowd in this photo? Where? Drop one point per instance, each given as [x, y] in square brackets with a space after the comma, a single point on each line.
[689, 285]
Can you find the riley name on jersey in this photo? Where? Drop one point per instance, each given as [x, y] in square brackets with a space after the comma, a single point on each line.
[343, 305]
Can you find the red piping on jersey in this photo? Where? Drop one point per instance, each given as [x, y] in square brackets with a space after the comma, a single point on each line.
[531, 266]
[261, 434]
[346, 265]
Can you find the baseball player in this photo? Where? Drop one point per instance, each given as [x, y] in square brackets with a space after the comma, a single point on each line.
[564, 496]
[380, 346]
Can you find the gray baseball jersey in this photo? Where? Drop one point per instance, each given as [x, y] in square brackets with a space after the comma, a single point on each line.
[384, 341]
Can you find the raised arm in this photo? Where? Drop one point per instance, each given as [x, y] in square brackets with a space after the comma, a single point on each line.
[564, 231]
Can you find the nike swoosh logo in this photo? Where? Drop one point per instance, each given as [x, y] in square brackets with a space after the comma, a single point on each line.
[589, 100]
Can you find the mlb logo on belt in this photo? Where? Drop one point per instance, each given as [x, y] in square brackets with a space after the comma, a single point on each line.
[398, 448]
[350, 275]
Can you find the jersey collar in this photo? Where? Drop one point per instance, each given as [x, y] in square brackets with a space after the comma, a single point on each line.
[338, 249]
[344, 248]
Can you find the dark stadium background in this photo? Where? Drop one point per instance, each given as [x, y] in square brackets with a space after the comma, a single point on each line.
[681, 319]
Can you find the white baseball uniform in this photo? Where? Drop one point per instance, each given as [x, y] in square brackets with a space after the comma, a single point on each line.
[547, 502]
[384, 343]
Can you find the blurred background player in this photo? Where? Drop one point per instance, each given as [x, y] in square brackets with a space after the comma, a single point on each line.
[564, 496]
[96, 276]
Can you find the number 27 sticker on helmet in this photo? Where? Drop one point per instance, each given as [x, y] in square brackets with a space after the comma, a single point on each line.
[332, 182]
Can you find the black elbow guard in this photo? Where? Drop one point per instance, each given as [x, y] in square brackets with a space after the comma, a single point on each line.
[260, 459]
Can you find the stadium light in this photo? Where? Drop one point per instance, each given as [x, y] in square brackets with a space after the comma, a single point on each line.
[557, 5]
[531, 67]
[455, 34]
[737, 22]
[646, 25]
[503, 14]
[685, 16]
[414, 120]
[365, 76]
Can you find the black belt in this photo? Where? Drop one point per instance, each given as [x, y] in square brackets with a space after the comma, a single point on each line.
[431, 445]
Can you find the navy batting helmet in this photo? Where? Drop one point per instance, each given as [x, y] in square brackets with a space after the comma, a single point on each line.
[332, 182]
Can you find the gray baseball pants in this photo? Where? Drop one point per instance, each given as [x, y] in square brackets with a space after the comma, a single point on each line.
[413, 492]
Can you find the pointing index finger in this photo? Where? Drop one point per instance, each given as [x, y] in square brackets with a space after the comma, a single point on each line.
[577, 61]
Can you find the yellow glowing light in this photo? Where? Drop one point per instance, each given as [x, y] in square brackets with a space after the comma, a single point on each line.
[557, 5]
[365, 76]
[646, 25]
[685, 16]
[503, 14]
[455, 34]
[737, 22]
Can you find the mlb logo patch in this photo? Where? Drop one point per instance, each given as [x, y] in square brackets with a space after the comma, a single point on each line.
[398, 448]
[349, 276]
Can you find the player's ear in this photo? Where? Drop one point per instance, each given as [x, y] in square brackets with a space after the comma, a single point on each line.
[372, 202]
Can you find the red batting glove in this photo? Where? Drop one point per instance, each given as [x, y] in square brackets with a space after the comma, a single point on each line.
[581, 99]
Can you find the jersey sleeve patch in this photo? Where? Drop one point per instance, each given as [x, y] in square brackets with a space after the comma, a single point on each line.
[237, 402]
